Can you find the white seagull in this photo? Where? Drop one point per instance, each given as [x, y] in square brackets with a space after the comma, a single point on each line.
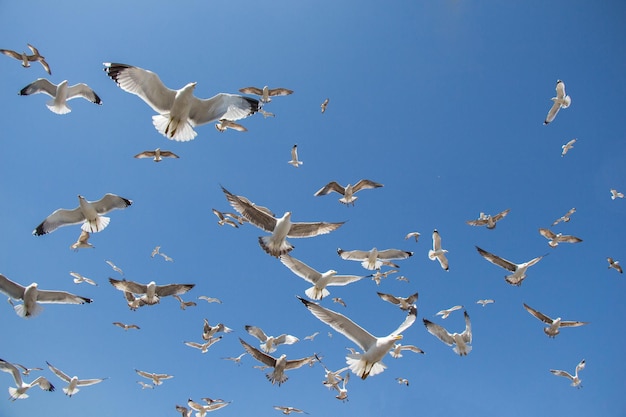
[324, 105]
[33, 296]
[151, 293]
[157, 155]
[288, 410]
[294, 157]
[575, 378]
[73, 381]
[556, 238]
[565, 218]
[265, 93]
[561, 101]
[78, 278]
[157, 379]
[485, 301]
[236, 359]
[569, 145]
[281, 228]
[414, 235]
[488, 220]
[204, 347]
[224, 124]
[90, 213]
[210, 299]
[553, 324]
[19, 392]
[343, 391]
[114, 267]
[445, 313]
[224, 220]
[269, 343]
[201, 410]
[375, 348]
[60, 94]
[405, 303]
[437, 253]
[374, 259]
[184, 304]
[519, 270]
[209, 331]
[348, 191]
[396, 350]
[125, 326]
[82, 242]
[27, 59]
[461, 340]
[178, 110]
[280, 364]
[614, 264]
[616, 194]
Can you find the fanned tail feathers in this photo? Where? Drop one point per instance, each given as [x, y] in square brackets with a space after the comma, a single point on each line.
[316, 294]
[270, 247]
[21, 310]
[58, 108]
[173, 129]
[97, 225]
[362, 368]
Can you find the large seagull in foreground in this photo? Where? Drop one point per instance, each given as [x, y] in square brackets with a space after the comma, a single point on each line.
[519, 270]
[179, 111]
[19, 392]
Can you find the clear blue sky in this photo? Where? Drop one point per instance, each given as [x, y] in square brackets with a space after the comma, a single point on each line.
[440, 101]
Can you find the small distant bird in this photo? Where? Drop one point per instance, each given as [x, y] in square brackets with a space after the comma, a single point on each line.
[145, 386]
[616, 194]
[461, 340]
[373, 259]
[201, 410]
[556, 238]
[405, 303]
[210, 299]
[437, 253]
[223, 219]
[575, 379]
[236, 359]
[90, 213]
[167, 258]
[155, 251]
[324, 105]
[151, 293]
[569, 145]
[265, 93]
[415, 235]
[26, 371]
[553, 324]
[519, 270]
[184, 304]
[488, 220]
[445, 313]
[280, 364]
[209, 331]
[402, 278]
[342, 391]
[126, 326]
[565, 218]
[157, 155]
[348, 191]
[561, 101]
[60, 94]
[78, 278]
[378, 275]
[294, 157]
[115, 267]
[485, 302]
[311, 336]
[288, 410]
[204, 347]
[615, 265]
[73, 381]
[184, 411]
[224, 124]
[157, 379]
[403, 381]
[396, 350]
[269, 343]
[27, 59]
[82, 242]
[338, 300]
[19, 392]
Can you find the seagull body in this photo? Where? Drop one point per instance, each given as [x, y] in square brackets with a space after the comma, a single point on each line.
[553, 324]
[396, 350]
[73, 381]
[378, 275]
[151, 293]
[403, 381]
[209, 331]
[294, 157]
[184, 304]
[281, 228]
[280, 364]
[311, 336]
[565, 218]
[616, 194]
[201, 410]
[145, 386]
[223, 219]
[90, 213]
[445, 313]
[27, 59]
[485, 302]
[374, 348]
[437, 253]
[288, 410]
[269, 343]
[331, 378]
[488, 220]
[204, 347]
[519, 270]
[348, 191]
[210, 299]
[157, 379]
[324, 105]
[575, 378]
[342, 391]
[19, 392]
[615, 265]
[60, 94]
[157, 155]
[569, 145]
[374, 259]
[125, 326]
[265, 93]
[224, 124]
[561, 101]
[31, 296]
[414, 235]
[178, 110]
[461, 340]
[78, 278]
[237, 359]
[405, 303]
[556, 238]
[82, 242]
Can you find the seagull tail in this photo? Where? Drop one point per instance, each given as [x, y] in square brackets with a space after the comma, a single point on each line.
[97, 225]
[465, 351]
[21, 311]
[431, 255]
[178, 130]
[363, 368]
[15, 395]
[273, 378]
[274, 249]
[70, 393]
[366, 264]
[317, 294]
[58, 108]
[348, 202]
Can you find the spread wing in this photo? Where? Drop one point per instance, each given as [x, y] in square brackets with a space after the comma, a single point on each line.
[110, 202]
[496, 260]
[301, 269]
[143, 83]
[10, 288]
[260, 218]
[221, 106]
[438, 331]
[365, 184]
[129, 286]
[330, 187]
[538, 314]
[60, 297]
[256, 332]
[258, 355]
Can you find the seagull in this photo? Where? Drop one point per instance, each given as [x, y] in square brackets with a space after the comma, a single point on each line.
[144, 385]
[437, 253]
[414, 235]
[203, 409]
[33, 296]
[488, 220]
[378, 276]
[184, 411]
[26, 371]
[184, 304]
[565, 218]
[348, 191]
[331, 378]
[115, 267]
[319, 280]
[237, 359]
[78, 278]
[569, 145]
[82, 242]
[485, 302]
[265, 93]
[133, 302]
[269, 343]
[374, 259]
[178, 110]
[553, 324]
[281, 228]
[324, 105]
[150, 293]
[90, 213]
[338, 300]
[294, 157]
[157, 379]
[224, 220]
[375, 348]
[403, 381]
[167, 258]
[402, 278]
[288, 410]
[280, 364]
[157, 155]
[575, 379]
[73, 381]
[396, 350]
[561, 101]
[125, 326]
[60, 94]
[155, 251]
[461, 340]
[204, 347]
[445, 313]
[19, 392]
[27, 59]
[343, 391]
[224, 124]
[519, 270]
[555, 239]
[311, 336]
[210, 299]
[404, 303]
[209, 331]
[615, 265]
[616, 194]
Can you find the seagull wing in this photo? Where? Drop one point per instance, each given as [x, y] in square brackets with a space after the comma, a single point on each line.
[251, 90]
[552, 113]
[129, 286]
[11, 53]
[85, 382]
[354, 255]
[389, 254]
[59, 373]
[538, 314]
[408, 321]
[500, 215]
[301, 269]
[573, 323]
[252, 213]
[496, 260]
[388, 297]
[341, 280]
[297, 363]
[436, 241]
[41, 85]
[438, 331]
[365, 184]
[171, 289]
[467, 333]
[548, 234]
[110, 202]
[221, 106]
[330, 187]
[10, 368]
[258, 355]
[10, 288]
[145, 154]
[84, 91]
[562, 373]
[60, 297]
[169, 154]
[279, 91]
[256, 332]
[59, 218]
[312, 229]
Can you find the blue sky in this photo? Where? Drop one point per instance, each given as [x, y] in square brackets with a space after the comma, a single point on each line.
[440, 101]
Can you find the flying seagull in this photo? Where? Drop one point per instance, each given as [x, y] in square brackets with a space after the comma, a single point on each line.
[157, 155]
[151, 293]
[553, 324]
[125, 326]
[88, 212]
[342, 391]
[437, 253]
[210, 299]
[374, 348]
[485, 302]
[488, 220]
[348, 191]
[269, 343]
[223, 219]
[19, 392]
[115, 267]
[26, 371]
[236, 359]
[73, 381]
[78, 278]
[461, 340]
[33, 296]
[204, 347]
[281, 228]
[184, 304]
[405, 303]
[82, 242]
[575, 378]
[201, 410]
[179, 111]
[209, 331]
[157, 379]
[565, 218]
[145, 386]
[445, 313]
[614, 264]
[339, 300]
[569, 145]
[60, 94]
[311, 336]
[224, 124]
[519, 270]
[27, 59]
[561, 101]
[403, 381]
[280, 364]
[556, 238]
[288, 410]
[374, 259]
[396, 350]
[616, 194]
[265, 93]
[324, 105]
[294, 157]
[414, 235]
